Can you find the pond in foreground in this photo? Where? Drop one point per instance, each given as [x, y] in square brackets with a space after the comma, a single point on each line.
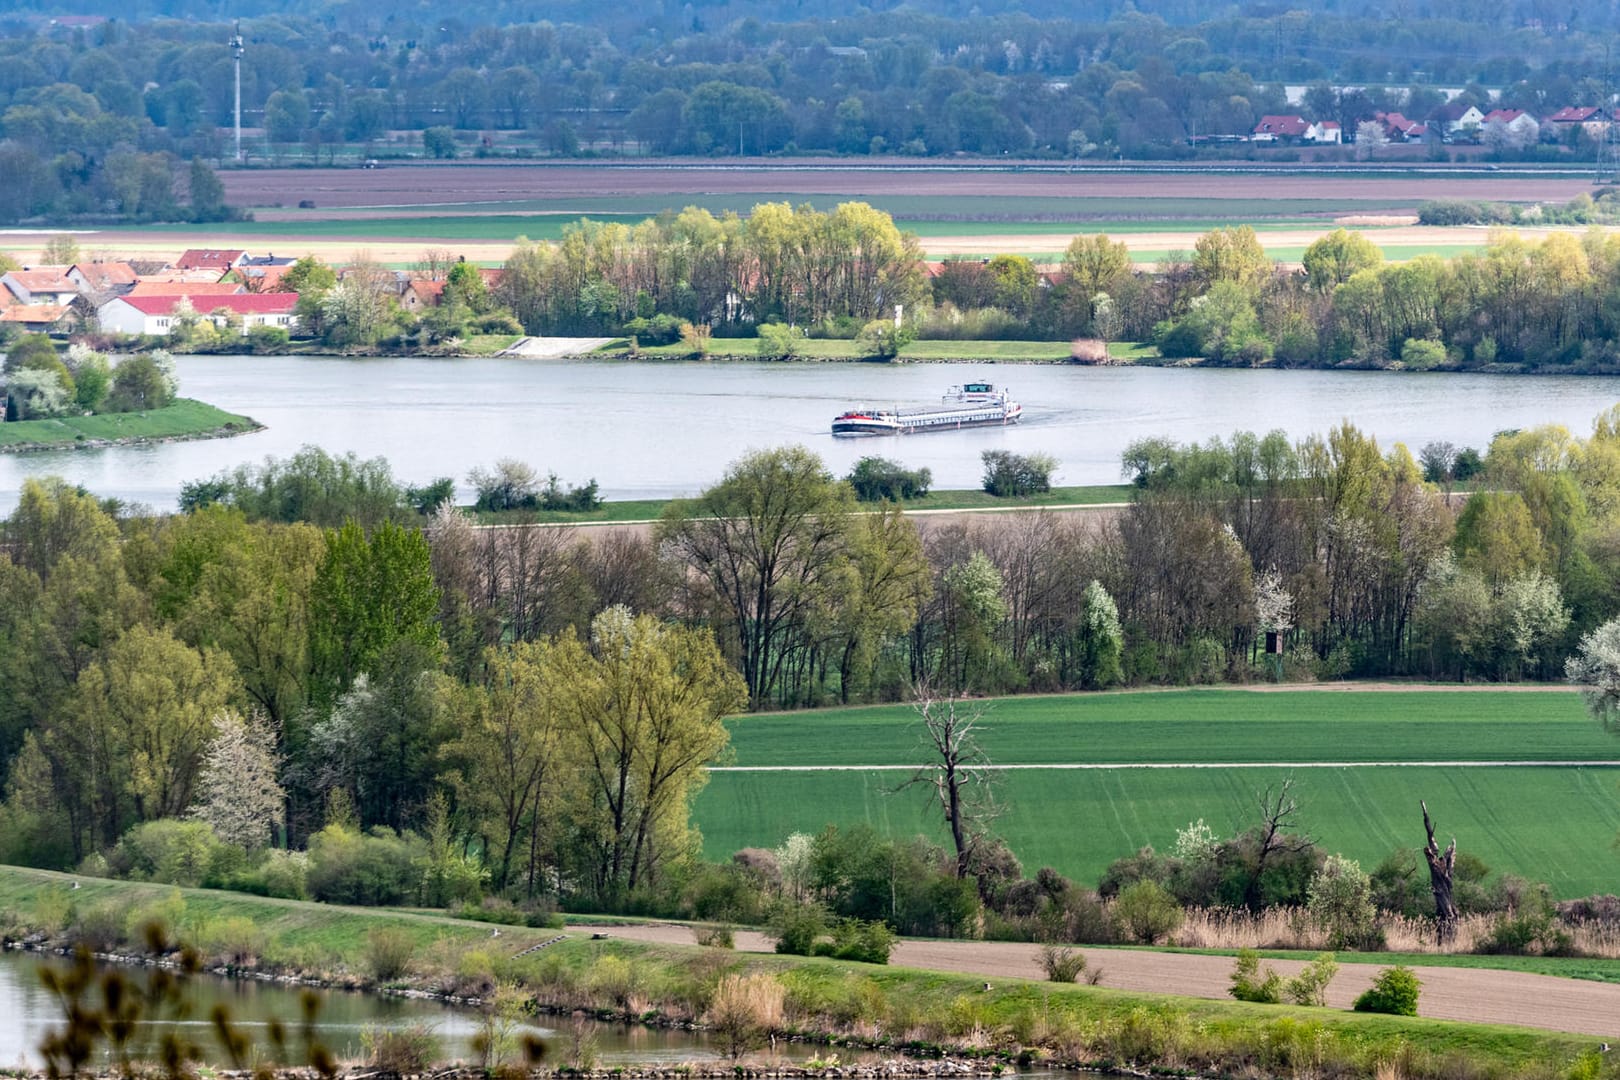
[29, 1013]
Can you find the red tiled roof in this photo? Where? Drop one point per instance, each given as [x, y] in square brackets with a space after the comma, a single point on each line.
[43, 279]
[208, 258]
[240, 303]
[1507, 116]
[184, 288]
[1281, 125]
[107, 273]
[33, 313]
[1569, 114]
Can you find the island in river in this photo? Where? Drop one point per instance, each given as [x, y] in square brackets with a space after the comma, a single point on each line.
[183, 419]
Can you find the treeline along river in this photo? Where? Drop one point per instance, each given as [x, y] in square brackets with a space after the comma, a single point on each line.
[659, 429]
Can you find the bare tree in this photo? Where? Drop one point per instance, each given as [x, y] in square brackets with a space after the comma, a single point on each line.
[1273, 836]
[959, 772]
[1440, 870]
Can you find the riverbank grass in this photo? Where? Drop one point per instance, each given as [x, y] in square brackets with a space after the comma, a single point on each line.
[636, 510]
[825, 999]
[1046, 352]
[184, 419]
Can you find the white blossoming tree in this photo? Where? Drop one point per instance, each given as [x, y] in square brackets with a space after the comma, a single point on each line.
[238, 795]
[1595, 668]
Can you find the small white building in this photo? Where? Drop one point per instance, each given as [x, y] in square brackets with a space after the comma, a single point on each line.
[1324, 133]
[155, 315]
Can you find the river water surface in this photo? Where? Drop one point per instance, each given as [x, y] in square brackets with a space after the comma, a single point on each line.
[658, 429]
[28, 1013]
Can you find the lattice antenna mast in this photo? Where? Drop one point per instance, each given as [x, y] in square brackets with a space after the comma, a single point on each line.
[236, 58]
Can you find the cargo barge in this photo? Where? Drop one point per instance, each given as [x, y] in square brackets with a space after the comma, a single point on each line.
[965, 406]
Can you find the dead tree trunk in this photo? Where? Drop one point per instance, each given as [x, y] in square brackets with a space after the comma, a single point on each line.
[1440, 868]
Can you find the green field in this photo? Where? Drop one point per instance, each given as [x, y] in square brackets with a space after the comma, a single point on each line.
[1556, 824]
[185, 418]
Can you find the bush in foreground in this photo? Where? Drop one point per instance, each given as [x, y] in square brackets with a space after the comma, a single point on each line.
[1251, 983]
[1009, 474]
[1146, 913]
[1395, 992]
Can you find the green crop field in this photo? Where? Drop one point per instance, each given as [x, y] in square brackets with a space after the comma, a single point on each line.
[1556, 824]
[1548, 824]
[1206, 726]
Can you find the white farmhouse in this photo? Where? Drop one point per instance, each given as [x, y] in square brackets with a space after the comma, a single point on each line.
[154, 315]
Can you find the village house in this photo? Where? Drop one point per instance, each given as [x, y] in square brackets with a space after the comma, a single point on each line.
[40, 285]
[103, 279]
[1455, 122]
[421, 293]
[37, 318]
[1324, 133]
[155, 315]
[1279, 129]
[1517, 121]
[1398, 128]
[1592, 121]
[210, 259]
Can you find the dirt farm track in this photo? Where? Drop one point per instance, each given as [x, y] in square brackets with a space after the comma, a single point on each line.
[426, 185]
[1475, 995]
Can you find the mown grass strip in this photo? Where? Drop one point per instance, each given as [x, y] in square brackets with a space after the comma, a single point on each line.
[185, 418]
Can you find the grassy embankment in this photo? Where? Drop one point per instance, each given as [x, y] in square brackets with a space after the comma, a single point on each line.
[1550, 823]
[631, 510]
[185, 419]
[828, 998]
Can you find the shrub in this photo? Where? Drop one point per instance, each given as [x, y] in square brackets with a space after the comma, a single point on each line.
[99, 928]
[1309, 987]
[1340, 899]
[170, 850]
[1145, 913]
[778, 341]
[388, 952]
[880, 339]
[268, 339]
[857, 939]
[796, 928]
[1062, 964]
[1394, 991]
[877, 479]
[715, 937]
[497, 322]
[235, 941]
[745, 1009]
[401, 1051]
[1010, 474]
[1250, 983]
[1421, 354]
[376, 868]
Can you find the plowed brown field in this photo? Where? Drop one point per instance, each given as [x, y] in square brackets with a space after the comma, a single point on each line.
[424, 185]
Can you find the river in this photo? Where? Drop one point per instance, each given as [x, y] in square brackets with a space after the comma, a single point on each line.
[29, 1013]
[647, 429]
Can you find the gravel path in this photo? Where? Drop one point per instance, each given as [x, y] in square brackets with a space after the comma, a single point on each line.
[1481, 996]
